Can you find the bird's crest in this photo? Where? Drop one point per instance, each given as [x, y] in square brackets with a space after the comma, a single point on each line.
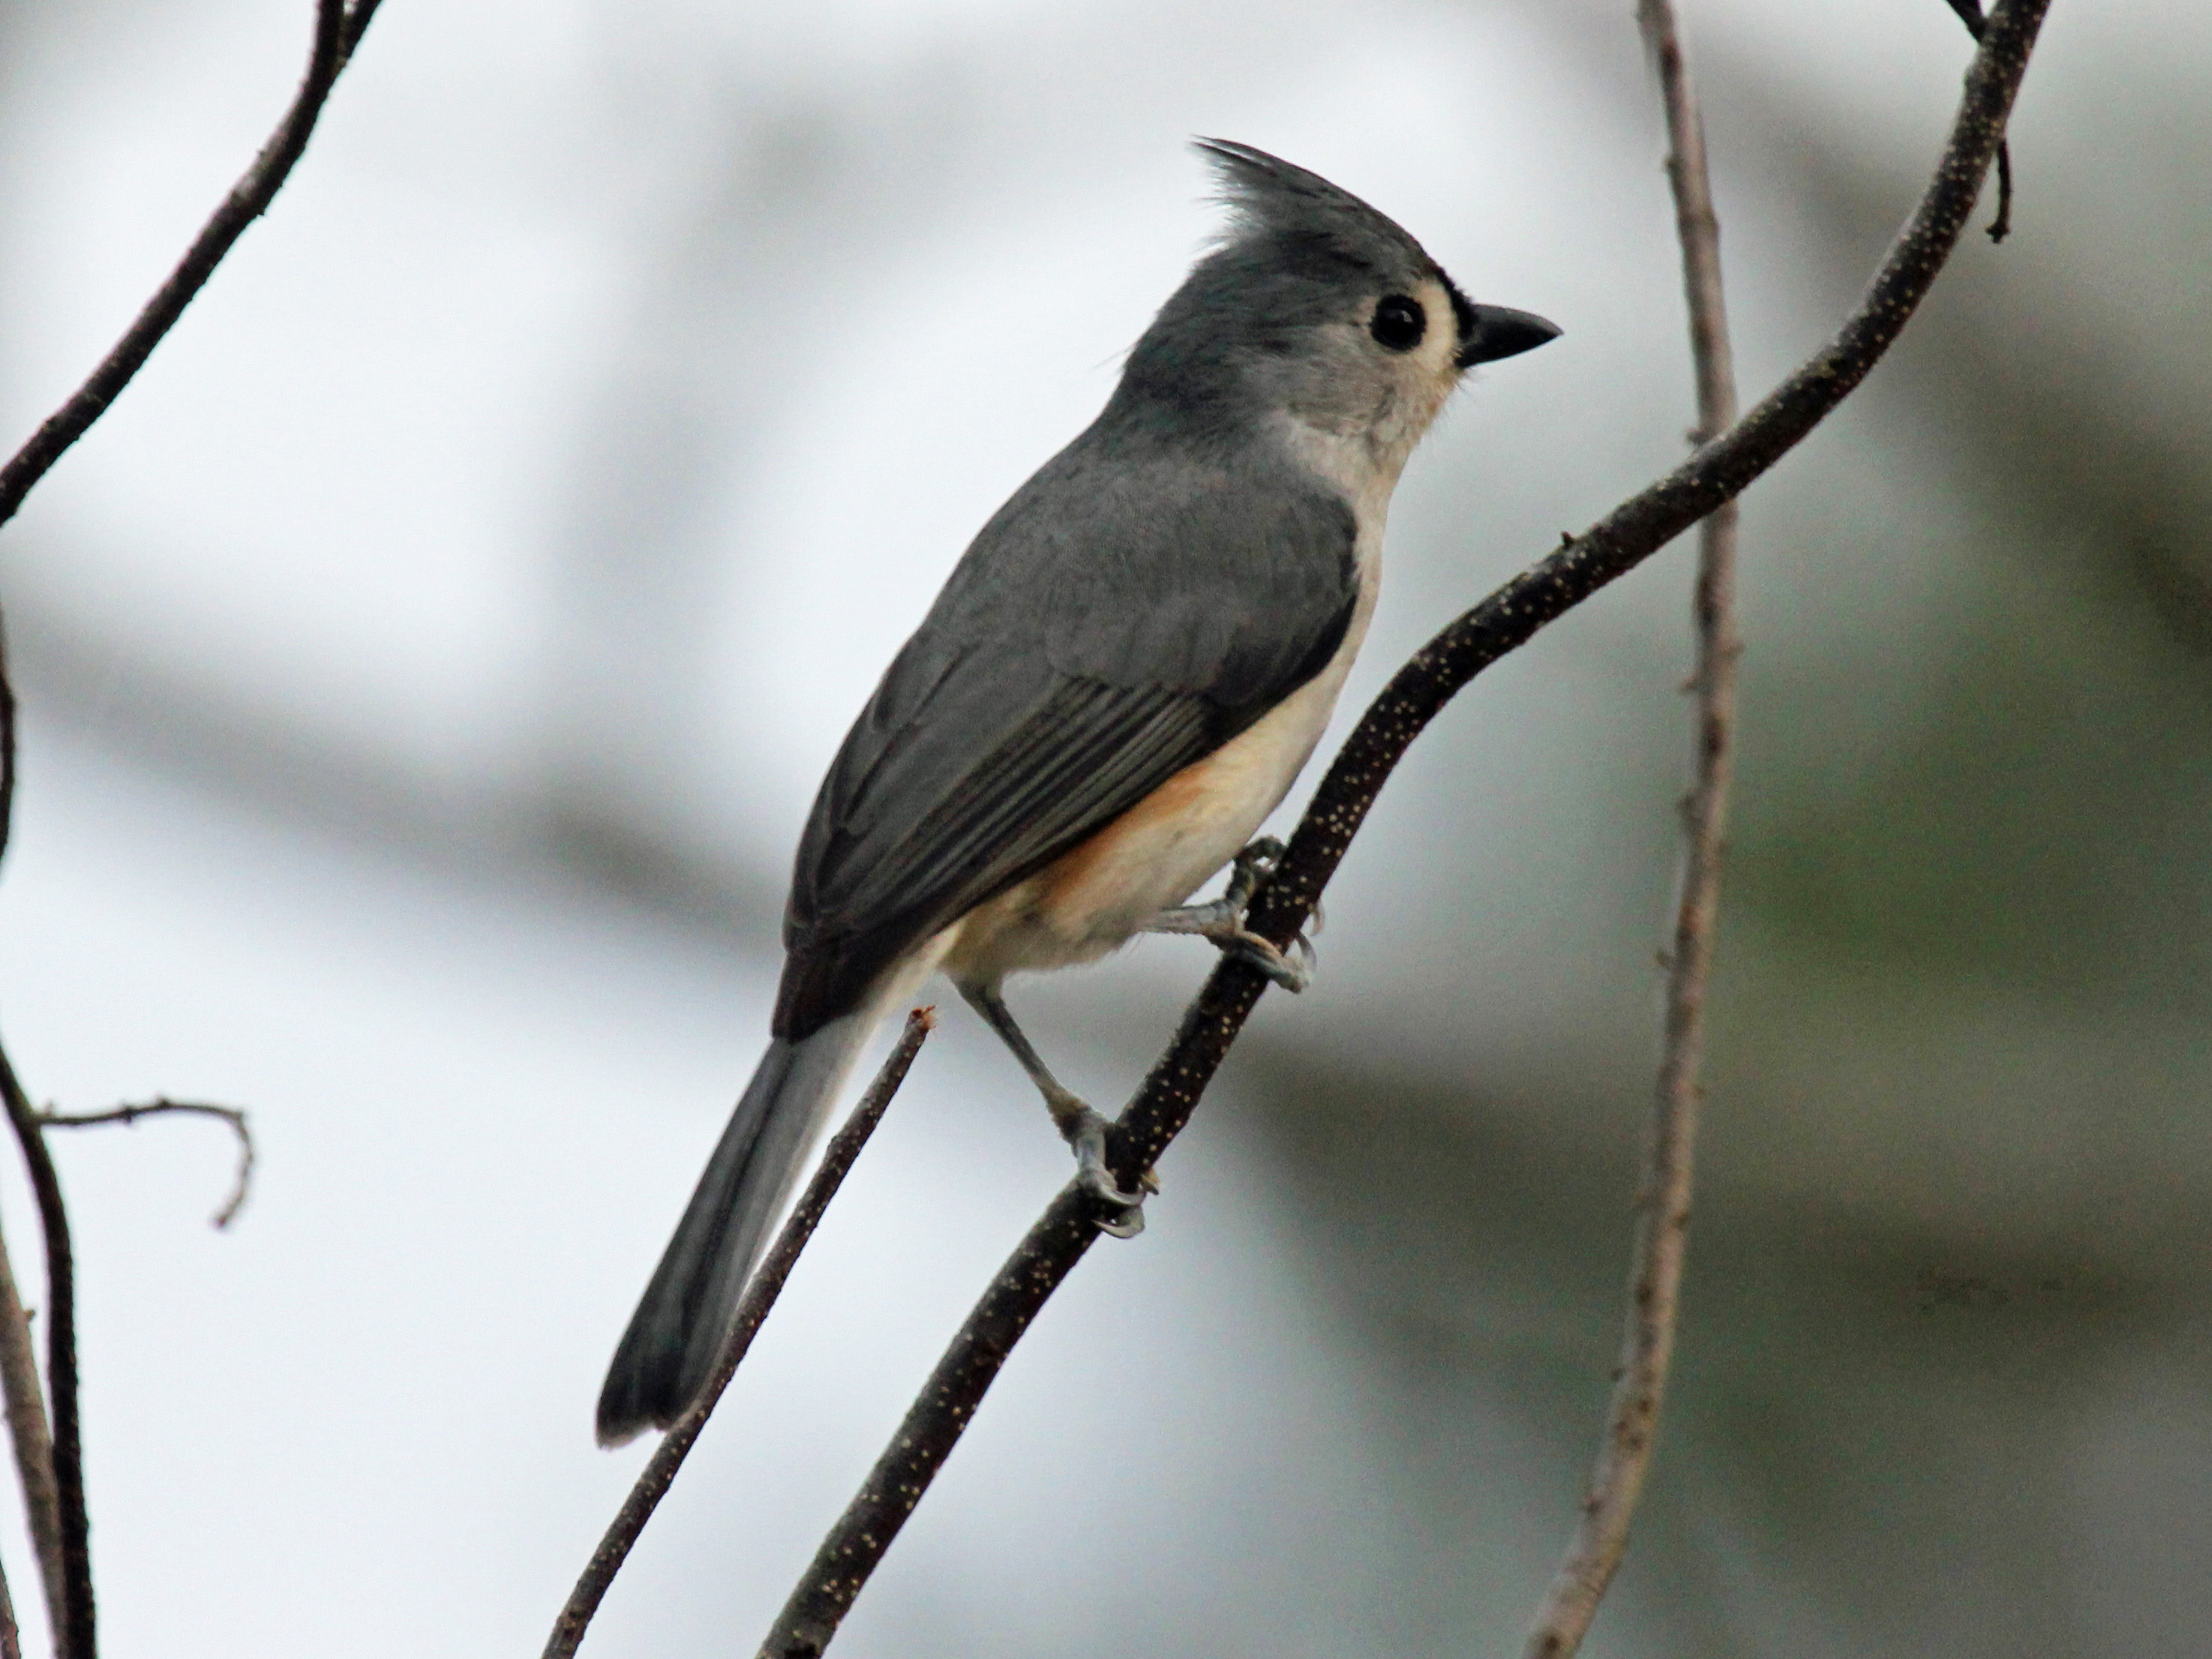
[1267, 197]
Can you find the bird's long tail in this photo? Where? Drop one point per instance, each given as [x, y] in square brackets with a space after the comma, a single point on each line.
[666, 1354]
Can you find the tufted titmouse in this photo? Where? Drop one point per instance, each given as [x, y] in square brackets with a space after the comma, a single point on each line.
[1122, 677]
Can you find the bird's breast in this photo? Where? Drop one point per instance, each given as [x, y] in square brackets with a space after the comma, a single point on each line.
[1098, 894]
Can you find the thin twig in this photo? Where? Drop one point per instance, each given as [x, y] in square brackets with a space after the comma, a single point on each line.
[1623, 539]
[230, 1114]
[1969, 14]
[7, 748]
[761, 1292]
[52, 1466]
[11, 1640]
[63, 1571]
[1647, 1345]
[74, 1636]
[27, 1432]
[19, 1363]
[338, 32]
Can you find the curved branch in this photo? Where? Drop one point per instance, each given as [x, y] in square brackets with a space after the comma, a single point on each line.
[230, 1114]
[53, 1468]
[338, 31]
[1616, 543]
[1647, 1343]
[74, 1636]
[761, 1292]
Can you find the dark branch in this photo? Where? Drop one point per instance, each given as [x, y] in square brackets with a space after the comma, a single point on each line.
[74, 1638]
[1647, 1344]
[53, 1467]
[7, 748]
[338, 32]
[1617, 543]
[2001, 226]
[761, 1292]
[230, 1114]
[19, 1364]
[1969, 14]
[32, 1441]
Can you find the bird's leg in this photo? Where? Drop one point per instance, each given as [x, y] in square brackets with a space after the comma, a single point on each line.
[1221, 921]
[1081, 1128]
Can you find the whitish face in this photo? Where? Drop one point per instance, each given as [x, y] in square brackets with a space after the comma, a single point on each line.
[1363, 397]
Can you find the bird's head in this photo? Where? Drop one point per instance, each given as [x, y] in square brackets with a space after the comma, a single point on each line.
[1316, 308]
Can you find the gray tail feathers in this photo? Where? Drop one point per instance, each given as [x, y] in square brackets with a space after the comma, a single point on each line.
[687, 1307]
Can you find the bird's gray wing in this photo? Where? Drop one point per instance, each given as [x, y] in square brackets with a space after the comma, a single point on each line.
[1122, 617]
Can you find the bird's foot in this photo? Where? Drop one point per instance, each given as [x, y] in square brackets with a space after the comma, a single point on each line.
[1292, 974]
[1085, 1130]
[1221, 921]
[1258, 858]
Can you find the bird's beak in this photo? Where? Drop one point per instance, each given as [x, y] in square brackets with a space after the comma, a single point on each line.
[1496, 332]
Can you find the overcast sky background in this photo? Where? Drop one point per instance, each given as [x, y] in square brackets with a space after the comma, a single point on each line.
[428, 666]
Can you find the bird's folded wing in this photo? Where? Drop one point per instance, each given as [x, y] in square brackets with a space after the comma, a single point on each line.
[1057, 683]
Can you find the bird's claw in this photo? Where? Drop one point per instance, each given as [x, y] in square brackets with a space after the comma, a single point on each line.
[1086, 1131]
[1293, 976]
[1256, 860]
[1221, 921]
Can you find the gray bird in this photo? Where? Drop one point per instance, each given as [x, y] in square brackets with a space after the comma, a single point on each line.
[1119, 683]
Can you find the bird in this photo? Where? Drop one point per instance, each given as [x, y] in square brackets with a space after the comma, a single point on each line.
[1120, 680]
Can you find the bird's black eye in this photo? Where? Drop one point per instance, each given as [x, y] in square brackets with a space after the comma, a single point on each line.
[1399, 323]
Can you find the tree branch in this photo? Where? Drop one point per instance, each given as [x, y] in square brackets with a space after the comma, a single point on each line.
[761, 1292]
[338, 30]
[230, 1114]
[19, 1364]
[7, 748]
[2000, 225]
[1663, 1232]
[36, 1466]
[52, 1466]
[11, 1640]
[1623, 539]
[74, 1633]
[32, 1440]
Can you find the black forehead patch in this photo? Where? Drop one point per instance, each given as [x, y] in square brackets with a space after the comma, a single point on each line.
[1462, 308]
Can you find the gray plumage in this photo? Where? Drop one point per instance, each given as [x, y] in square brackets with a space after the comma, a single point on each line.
[661, 1363]
[1163, 582]
[1176, 573]
[1160, 606]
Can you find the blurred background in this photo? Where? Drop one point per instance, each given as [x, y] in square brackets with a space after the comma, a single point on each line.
[428, 666]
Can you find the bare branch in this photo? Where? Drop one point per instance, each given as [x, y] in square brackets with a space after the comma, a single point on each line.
[7, 748]
[1969, 14]
[51, 1465]
[56, 1522]
[74, 1632]
[761, 1292]
[1663, 1232]
[29, 1434]
[11, 1640]
[338, 31]
[1623, 539]
[230, 1114]
[19, 1364]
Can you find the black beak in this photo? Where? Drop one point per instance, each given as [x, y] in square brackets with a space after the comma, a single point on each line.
[1491, 333]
